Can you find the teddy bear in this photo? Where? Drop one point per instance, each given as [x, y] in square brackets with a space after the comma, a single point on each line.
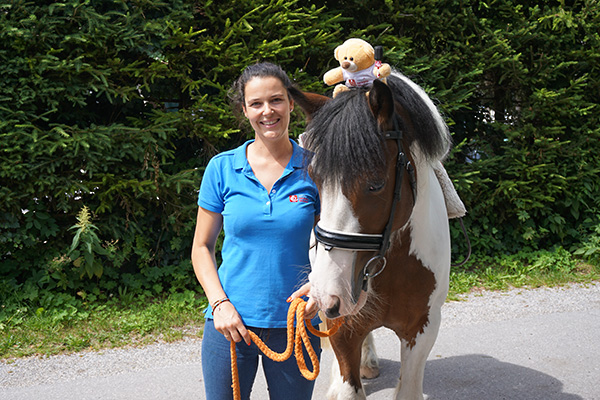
[358, 67]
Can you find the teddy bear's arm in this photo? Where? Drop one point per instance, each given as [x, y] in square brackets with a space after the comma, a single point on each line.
[383, 71]
[333, 76]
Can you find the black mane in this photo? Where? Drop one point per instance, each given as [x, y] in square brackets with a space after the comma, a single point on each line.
[347, 143]
[345, 140]
[428, 128]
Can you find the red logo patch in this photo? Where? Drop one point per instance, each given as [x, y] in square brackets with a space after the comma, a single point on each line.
[298, 199]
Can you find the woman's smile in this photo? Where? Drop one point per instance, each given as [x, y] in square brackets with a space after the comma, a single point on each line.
[268, 107]
[270, 123]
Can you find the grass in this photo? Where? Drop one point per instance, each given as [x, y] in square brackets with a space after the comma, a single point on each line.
[74, 327]
[70, 329]
[527, 269]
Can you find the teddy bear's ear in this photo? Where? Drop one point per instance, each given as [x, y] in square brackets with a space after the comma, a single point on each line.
[336, 52]
[309, 102]
[369, 51]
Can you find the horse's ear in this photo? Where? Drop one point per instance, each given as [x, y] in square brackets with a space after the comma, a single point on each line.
[381, 102]
[309, 102]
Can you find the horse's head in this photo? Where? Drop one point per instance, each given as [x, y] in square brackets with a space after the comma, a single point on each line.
[361, 164]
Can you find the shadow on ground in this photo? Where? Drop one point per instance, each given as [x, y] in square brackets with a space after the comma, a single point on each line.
[475, 377]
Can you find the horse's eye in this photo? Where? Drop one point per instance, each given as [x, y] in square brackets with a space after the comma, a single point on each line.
[376, 187]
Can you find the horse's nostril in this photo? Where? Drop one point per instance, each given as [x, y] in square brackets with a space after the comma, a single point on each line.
[333, 307]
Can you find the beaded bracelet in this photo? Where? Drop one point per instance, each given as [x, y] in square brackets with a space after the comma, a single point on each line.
[218, 303]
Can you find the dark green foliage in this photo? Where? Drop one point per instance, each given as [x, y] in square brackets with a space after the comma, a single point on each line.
[85, 122]
[117, 105]
[528, 134]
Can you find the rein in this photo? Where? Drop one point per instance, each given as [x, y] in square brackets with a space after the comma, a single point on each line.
[466, 235]
[293, 340]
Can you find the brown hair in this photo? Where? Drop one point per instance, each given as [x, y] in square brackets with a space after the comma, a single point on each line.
[265, 69]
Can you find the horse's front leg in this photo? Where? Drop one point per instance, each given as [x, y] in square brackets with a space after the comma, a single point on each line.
[414, 354]
[345, 373]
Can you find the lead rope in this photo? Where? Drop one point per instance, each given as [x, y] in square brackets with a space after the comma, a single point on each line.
[300, 336]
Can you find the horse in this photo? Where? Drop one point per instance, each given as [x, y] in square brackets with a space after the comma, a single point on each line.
[382, 254]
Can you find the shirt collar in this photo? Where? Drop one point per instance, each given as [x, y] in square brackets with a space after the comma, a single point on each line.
[241, 161]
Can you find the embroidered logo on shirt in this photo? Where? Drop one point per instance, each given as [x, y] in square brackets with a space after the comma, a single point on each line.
[298, 199]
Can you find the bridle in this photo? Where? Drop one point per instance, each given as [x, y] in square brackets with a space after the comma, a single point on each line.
[372, 242]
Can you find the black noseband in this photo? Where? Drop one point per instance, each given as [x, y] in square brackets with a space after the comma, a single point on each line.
[357, 242]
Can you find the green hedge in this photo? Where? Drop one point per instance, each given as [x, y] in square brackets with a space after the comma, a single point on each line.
[109, 110]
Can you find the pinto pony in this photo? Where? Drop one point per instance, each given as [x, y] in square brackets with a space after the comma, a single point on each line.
[383, 242]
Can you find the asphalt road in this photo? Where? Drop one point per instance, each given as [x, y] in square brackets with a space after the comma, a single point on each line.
[522, 344]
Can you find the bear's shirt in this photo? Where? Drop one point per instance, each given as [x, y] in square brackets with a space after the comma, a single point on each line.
[360, 78]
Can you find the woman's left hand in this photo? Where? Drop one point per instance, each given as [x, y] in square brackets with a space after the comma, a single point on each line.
[311, 308]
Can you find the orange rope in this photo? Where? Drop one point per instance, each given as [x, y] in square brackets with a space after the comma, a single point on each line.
[296, 309]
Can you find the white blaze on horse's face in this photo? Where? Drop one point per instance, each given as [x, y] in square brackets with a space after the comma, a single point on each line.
[331, 271]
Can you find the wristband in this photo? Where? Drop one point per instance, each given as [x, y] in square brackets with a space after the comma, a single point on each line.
[218, 303]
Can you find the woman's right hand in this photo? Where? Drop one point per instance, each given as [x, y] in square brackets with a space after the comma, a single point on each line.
[229, 323]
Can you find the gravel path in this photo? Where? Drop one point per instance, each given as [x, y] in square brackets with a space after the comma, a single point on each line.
[520, 303]
[21, 376]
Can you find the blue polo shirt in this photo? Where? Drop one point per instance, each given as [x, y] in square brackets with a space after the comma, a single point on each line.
[265, 251]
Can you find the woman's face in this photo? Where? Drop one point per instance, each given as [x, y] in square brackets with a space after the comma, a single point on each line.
[268, 107]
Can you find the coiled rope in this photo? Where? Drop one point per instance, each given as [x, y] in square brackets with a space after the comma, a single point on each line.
[301, 336]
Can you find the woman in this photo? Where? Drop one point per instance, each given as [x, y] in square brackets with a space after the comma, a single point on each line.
[267, 204]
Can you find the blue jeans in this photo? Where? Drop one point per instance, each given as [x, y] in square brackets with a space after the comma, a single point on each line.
[284, 380]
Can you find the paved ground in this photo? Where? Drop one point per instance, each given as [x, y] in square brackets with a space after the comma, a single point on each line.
[523, 344]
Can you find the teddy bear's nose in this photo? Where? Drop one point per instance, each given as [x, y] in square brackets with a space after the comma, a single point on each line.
[346, 64]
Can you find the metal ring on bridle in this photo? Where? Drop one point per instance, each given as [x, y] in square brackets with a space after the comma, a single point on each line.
[373, 275]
